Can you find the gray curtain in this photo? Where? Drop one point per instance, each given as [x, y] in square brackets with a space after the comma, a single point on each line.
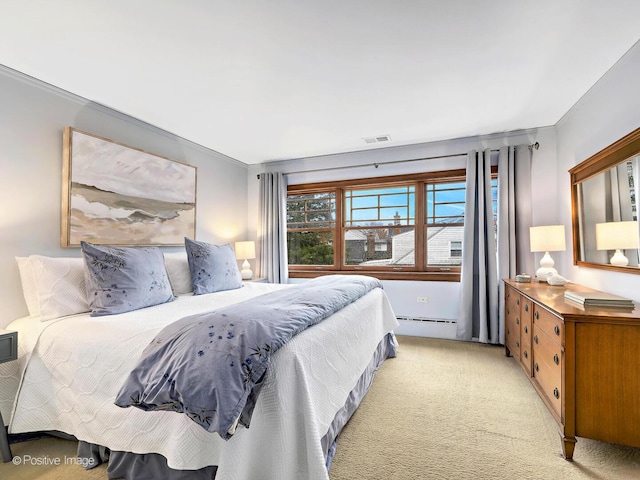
[479, 276]
[514, 219]
[272, 232]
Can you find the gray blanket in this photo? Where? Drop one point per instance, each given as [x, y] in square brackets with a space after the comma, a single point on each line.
[211, 366]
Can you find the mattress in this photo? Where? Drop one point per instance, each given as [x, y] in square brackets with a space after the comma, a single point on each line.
[72, 368]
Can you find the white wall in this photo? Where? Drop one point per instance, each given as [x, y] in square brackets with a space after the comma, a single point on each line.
[32, 117]
[443, 296]
[609, 111]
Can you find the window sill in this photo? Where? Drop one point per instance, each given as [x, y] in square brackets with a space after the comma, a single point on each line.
[381, 275]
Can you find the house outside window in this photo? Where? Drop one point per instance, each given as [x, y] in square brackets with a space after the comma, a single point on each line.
[455, 249]
[401, 227]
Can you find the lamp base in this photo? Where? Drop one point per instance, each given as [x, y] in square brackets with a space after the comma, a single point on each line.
[619, 259]
[246, 272]
[546, 268]
[543, 272]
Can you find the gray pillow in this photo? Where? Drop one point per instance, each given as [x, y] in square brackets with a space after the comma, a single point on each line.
[121, 279]
[213, 268]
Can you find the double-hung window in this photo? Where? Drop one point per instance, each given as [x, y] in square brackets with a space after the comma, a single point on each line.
[379, 226]
[311, 228]
[401, 227]
[444, 223]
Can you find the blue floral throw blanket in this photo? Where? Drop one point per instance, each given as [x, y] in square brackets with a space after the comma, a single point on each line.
[211, 366]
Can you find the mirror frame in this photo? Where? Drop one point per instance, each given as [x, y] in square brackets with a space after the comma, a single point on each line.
[623, 149]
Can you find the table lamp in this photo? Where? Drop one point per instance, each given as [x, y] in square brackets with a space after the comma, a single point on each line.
[617, 236]
[548, 238]
[246, 251]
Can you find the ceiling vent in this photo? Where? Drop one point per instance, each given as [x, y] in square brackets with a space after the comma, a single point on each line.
[377, 139]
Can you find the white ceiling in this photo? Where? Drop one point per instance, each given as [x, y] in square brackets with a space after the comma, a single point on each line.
[280, 79]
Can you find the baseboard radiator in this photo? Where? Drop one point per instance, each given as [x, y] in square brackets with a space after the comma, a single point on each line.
[428, 320]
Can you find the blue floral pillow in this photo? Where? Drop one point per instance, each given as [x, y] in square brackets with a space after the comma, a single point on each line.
[213, 268]
[121, 279]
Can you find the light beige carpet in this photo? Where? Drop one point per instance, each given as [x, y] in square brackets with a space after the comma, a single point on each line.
[451, 410]
[440, 410]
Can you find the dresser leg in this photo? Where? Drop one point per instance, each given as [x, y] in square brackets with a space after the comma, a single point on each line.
[568, 445]
[507, 352]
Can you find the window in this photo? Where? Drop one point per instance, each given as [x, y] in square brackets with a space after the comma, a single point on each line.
[444, 222]
[311, 224]
[403, 227]
[373, 218]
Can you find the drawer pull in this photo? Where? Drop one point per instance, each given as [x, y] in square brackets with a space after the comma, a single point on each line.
[556, 330]
[518, 302]
[556, 360]
[517, 344]
[536, 367]
[526, 355]
[526, 307]
[526, 329]
[536, 314]
[556, 393]
[507, 331]
[535, 339]
[517, 320]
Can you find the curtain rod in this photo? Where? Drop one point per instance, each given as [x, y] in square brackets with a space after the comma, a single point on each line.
[533, 146]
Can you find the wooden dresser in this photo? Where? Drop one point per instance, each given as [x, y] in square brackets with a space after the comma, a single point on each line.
[584, 362]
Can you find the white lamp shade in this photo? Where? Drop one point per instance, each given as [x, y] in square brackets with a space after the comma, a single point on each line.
[245, 250]
[548, 238]
[617, 235]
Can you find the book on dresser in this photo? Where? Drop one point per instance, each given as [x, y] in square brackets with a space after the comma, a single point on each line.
[598, 299]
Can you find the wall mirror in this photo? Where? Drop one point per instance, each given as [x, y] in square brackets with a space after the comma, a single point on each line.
[604, 189]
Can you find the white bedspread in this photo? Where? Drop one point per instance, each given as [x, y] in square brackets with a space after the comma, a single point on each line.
[78, 364]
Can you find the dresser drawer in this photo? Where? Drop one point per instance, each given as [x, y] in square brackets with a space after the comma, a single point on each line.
[525, 320]
[551, 385]
[512, 306]
[512, 339]
[526, 308]
[547, 350]
[512, 321]
[510, 293]
[549, 324]
[512, 300]
[526, 356]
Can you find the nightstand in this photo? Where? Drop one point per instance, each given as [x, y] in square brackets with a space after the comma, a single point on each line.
[256, 280]
[8, 352]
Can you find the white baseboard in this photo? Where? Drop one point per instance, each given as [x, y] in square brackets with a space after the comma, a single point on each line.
[433, 329]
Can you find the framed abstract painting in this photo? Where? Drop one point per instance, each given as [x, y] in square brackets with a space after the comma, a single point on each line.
[113, 194]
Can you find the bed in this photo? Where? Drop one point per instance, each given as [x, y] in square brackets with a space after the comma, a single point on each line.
[71, 367]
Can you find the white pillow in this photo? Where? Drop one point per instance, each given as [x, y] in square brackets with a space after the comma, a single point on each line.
[59, 286]
[177, 267]
[29, 287]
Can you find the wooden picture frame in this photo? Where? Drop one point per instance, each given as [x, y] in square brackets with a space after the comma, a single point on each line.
[114, 194]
